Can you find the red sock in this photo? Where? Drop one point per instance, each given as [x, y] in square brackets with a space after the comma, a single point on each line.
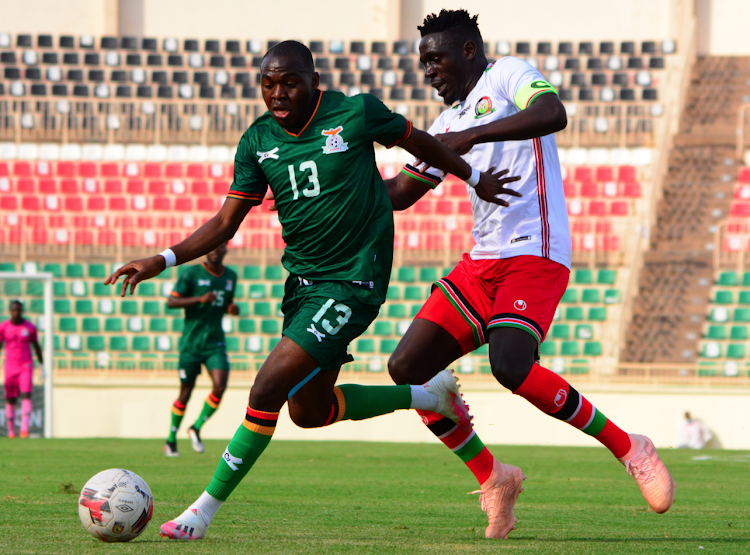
[466, 445]
[552, 395]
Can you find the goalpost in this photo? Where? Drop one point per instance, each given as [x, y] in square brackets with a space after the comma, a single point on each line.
[49, 334]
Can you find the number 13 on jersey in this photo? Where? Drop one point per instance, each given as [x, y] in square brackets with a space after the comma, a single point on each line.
[312, 188]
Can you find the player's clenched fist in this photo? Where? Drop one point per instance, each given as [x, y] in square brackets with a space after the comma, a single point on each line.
[137, 271]
[208, 297]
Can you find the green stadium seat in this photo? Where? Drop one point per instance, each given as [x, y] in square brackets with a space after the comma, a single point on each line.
[135, 324]
[54, 268]
[234, 267]
[406, 274]
[583, 277]
[706, 369]
[570, 296]
[742, 314]
[253, 344]
[387, 346]
[612, 296]
[590, 296]
[129, 307]
[365, 346]
[746, 279]
[246, 325]
[84, 306]
[74, 271]
[146, 289]
[396, 310]
[560, 331]
[414, 293]
[277, 291]
[271, 327]
[12, 288]
[716, 332]
[176, 312]
[233, 344]
[90, 325]
[140, 343]
[61, 306]
[723, 297]
[163, 343]
[8, 267]
[34, 288]
[736, 350]
[579, 366]
[262, 309]
[152, 308]
[118, 343]
[178, 324]
[97, 271]
[79, 288]
[728, 279]
[166, 274]
[67, 325]
[272, 343]
[106, 306]
[484, 350]
[251, 272]
[606, 277]
[744, 297]
[569, 348]
[113, 325]
[415, 308]
[257, 291]
[597, 314]
[548, 349]
[592, 349]
[36, 306]
[157, 325]
[394, 293]
[274, 273]
[382, 328]
[95, 343]
[574, 313]
[738, 333]
[73, 342]
[101, 290]
[428, 275]
[244, 308]
[584, 331]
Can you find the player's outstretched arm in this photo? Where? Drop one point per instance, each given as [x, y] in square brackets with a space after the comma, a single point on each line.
[214, 232]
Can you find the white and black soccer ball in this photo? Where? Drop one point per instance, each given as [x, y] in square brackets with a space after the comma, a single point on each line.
[116, 505]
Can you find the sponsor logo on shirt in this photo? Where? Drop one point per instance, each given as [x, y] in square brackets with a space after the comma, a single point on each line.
[519, 239]
[462, 113]
[334, 141]
[269, 155]
[202, 282]
[483, 107]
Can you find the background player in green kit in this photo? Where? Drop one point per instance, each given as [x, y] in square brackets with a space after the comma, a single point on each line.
[206, 292]
[315, 149]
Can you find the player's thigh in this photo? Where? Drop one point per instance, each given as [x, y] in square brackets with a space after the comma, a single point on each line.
[426, 348]
[217, 366]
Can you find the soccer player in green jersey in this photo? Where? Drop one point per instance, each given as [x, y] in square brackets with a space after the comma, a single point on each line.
[206, 292]
[315, 150]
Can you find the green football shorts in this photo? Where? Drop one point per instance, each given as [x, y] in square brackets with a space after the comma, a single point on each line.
[324, 317]
[190, 364]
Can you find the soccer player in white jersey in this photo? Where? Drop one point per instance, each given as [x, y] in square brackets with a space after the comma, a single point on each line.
[505, 292]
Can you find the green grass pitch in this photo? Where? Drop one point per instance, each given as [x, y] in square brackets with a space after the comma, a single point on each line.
[363, 498]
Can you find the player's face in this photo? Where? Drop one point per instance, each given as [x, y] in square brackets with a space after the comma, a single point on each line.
[16, 312]
[446, 66]
[288, 90]
[217, 255]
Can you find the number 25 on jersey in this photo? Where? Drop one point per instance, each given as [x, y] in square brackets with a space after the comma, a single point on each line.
[312, 188]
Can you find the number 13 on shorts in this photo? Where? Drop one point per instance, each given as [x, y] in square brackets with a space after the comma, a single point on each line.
[342, 316]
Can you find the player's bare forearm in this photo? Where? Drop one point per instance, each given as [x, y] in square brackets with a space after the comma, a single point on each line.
[38, 350]
[182, 302]
[432, 152]
[404, 191]
[206, 238]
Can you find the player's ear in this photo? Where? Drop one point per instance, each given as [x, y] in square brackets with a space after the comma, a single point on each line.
[315, 81]
[470, 49]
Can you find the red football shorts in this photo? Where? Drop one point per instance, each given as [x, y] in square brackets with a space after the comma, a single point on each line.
[478, 295]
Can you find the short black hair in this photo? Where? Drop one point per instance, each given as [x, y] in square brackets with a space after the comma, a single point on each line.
[460, 25]
[16, 301]
[295, 50]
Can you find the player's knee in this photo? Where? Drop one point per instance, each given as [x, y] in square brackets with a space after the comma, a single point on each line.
[218, 390]
[510, 363]
[306, 419]
[399, 367]
[267, 394]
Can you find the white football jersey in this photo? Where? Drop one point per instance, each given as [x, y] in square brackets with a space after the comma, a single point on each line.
[536, 223]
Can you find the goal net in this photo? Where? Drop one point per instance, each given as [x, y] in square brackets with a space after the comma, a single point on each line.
[35, 292]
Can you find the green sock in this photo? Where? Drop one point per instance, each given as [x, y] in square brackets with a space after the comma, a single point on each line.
[360, 402]
[178, 411]
[209, 408]
[248, 443]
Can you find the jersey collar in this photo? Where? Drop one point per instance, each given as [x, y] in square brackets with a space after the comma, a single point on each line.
[315, 111]
[210, 272]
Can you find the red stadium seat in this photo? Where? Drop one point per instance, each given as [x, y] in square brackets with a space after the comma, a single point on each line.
[174, 170]
[443, 207]
[4, 171]
[632, 190]
[157, 187]
[69, 186]
[619, 208]
[589, 190]
[73, 204]
[434, 241]
[25, 186]
[30, 203]
[118, 203]
[135, 187]
[603, 228]
[597, 208]
[423, 207]
[183, 204]
[81, 222]
[464, 208]
[86, 169]
[582, 174]
[457, 190]
[199, 188]
[95, 204]
[22, 169]
[83, 237]
[106, 238]
[206, 204]
[110, 169]
[37, 221]
[611, 243]
[39, 237]
[162, 203]
[196, 171]
[626, 173]
[581, 226]
[113, 187]
[47, 186]
[604, 174]
[743, 177]
[740, 210]
[65, 169]
[570, 190]
[129, 239]
[220, 188]
[152, 170]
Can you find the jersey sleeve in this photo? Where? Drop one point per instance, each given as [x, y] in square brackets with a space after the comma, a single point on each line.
[382, 125]
[184, 285]
[32, 333]
[432, 176]
[518, 82]
[249, 183]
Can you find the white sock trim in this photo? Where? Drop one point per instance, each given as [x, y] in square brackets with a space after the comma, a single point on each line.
[207, 506]
[421, 399]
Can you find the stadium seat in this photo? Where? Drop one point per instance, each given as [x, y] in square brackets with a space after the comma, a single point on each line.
[406, 274]
[246, 325]
[560, 331]
[590, 296]
[570, 296]
[90, 325]
[157, 325]
[738, 333]
[74, 271]
[140, 343]
[592, 348]
[728, 279]
[716, 332]
[597, 314]
[569, 348]
[583, 277]
[95, 343]
[67, 325]
[274, 273]
[113, 325]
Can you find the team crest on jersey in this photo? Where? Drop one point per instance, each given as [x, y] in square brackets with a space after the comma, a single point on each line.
[483, 107]
[202, 282]
[268, 155]
[334, 140]
[228, 286]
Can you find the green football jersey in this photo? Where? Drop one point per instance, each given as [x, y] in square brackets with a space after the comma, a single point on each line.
[203, 331]
[334, 209]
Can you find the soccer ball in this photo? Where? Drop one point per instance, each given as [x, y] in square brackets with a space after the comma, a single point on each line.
[115, 505]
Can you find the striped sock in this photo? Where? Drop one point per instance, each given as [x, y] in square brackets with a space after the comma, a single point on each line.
[467, 446]
[209, 408]
[360, 402]
[178, 411]
[246, 446]
[553, 395]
